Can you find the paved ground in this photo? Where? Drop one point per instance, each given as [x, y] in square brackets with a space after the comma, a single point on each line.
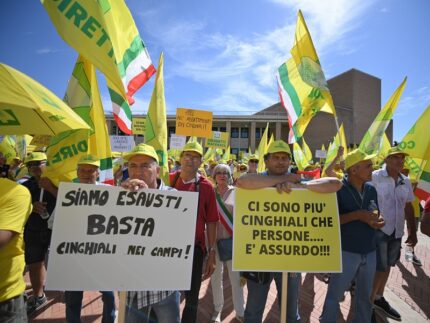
[408, 290]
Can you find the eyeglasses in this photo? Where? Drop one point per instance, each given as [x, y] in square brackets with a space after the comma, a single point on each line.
[143, 165]
[192, 158]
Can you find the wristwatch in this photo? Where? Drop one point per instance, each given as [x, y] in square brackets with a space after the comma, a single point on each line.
[211, 249]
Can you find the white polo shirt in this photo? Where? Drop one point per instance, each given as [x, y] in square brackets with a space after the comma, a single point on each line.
[392, 198]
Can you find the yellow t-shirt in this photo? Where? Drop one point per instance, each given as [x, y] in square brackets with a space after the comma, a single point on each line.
[15, 207]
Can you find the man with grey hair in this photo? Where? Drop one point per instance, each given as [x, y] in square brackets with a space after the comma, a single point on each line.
[143, 170]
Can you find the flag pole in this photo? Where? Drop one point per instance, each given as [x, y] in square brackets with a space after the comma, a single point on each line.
[284, 297]
[122, 308]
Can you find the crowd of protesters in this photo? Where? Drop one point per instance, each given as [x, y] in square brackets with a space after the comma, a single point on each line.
[373, 204]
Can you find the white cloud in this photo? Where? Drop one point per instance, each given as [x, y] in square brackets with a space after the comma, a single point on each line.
[418, 99]
[242, 69]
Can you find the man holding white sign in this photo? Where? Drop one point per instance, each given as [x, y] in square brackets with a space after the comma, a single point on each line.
[277, 161]
[143, 172]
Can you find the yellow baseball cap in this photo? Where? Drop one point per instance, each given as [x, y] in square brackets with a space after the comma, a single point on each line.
[35, 156]
[89, 160]
[253, 157]
[193, 146]
[356, 156]
[279, 146]
[142, 149]
[394, 151]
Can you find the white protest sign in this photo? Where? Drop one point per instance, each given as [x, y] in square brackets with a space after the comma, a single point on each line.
[121, 143]
[107, 238]
[320, 154]
[177, 142]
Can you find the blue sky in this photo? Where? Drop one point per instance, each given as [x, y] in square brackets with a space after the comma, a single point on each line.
[222, 55]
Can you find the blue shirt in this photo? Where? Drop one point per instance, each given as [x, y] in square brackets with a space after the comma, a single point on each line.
[357, 236]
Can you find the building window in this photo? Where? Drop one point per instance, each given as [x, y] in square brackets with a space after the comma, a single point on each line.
[235, 132]
[257, 133]
[114, 129]
[234, 151]
[172, 131]
[223, 129]
[243, 132]
[214, 128]
[117, 131]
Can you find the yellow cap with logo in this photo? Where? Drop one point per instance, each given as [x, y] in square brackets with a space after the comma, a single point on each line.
[356, 156]
[142, 149]
[193, 146]
[279, 146]
[35, 156]
[394, 151]
[89, 160]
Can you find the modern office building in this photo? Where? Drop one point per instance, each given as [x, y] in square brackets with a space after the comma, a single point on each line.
[356, 96]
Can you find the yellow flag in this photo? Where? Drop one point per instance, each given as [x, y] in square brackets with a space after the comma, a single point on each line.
[306, 150]
[333, 148]
[156, 123]
[300, 157]
[322, 147]
[271, 140]
[372, 140]
[302, 85]
[416, 142]
[262, 150]
[226, 157]
[67, 148]
[416, 167]
[7, 148]
[342, 139]
[210, 154]
[386, 145]
[104, 32]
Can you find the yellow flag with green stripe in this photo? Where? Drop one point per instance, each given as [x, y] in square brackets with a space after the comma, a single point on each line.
[302, 86]
[416, 142]
[373, 138]
[104, 32]
[65, 149]
[156, 123]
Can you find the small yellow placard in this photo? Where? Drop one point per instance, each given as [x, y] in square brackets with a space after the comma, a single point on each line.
[296, 232]
[196, 123]
[41, 140]
[138, 126]
[218, 140]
